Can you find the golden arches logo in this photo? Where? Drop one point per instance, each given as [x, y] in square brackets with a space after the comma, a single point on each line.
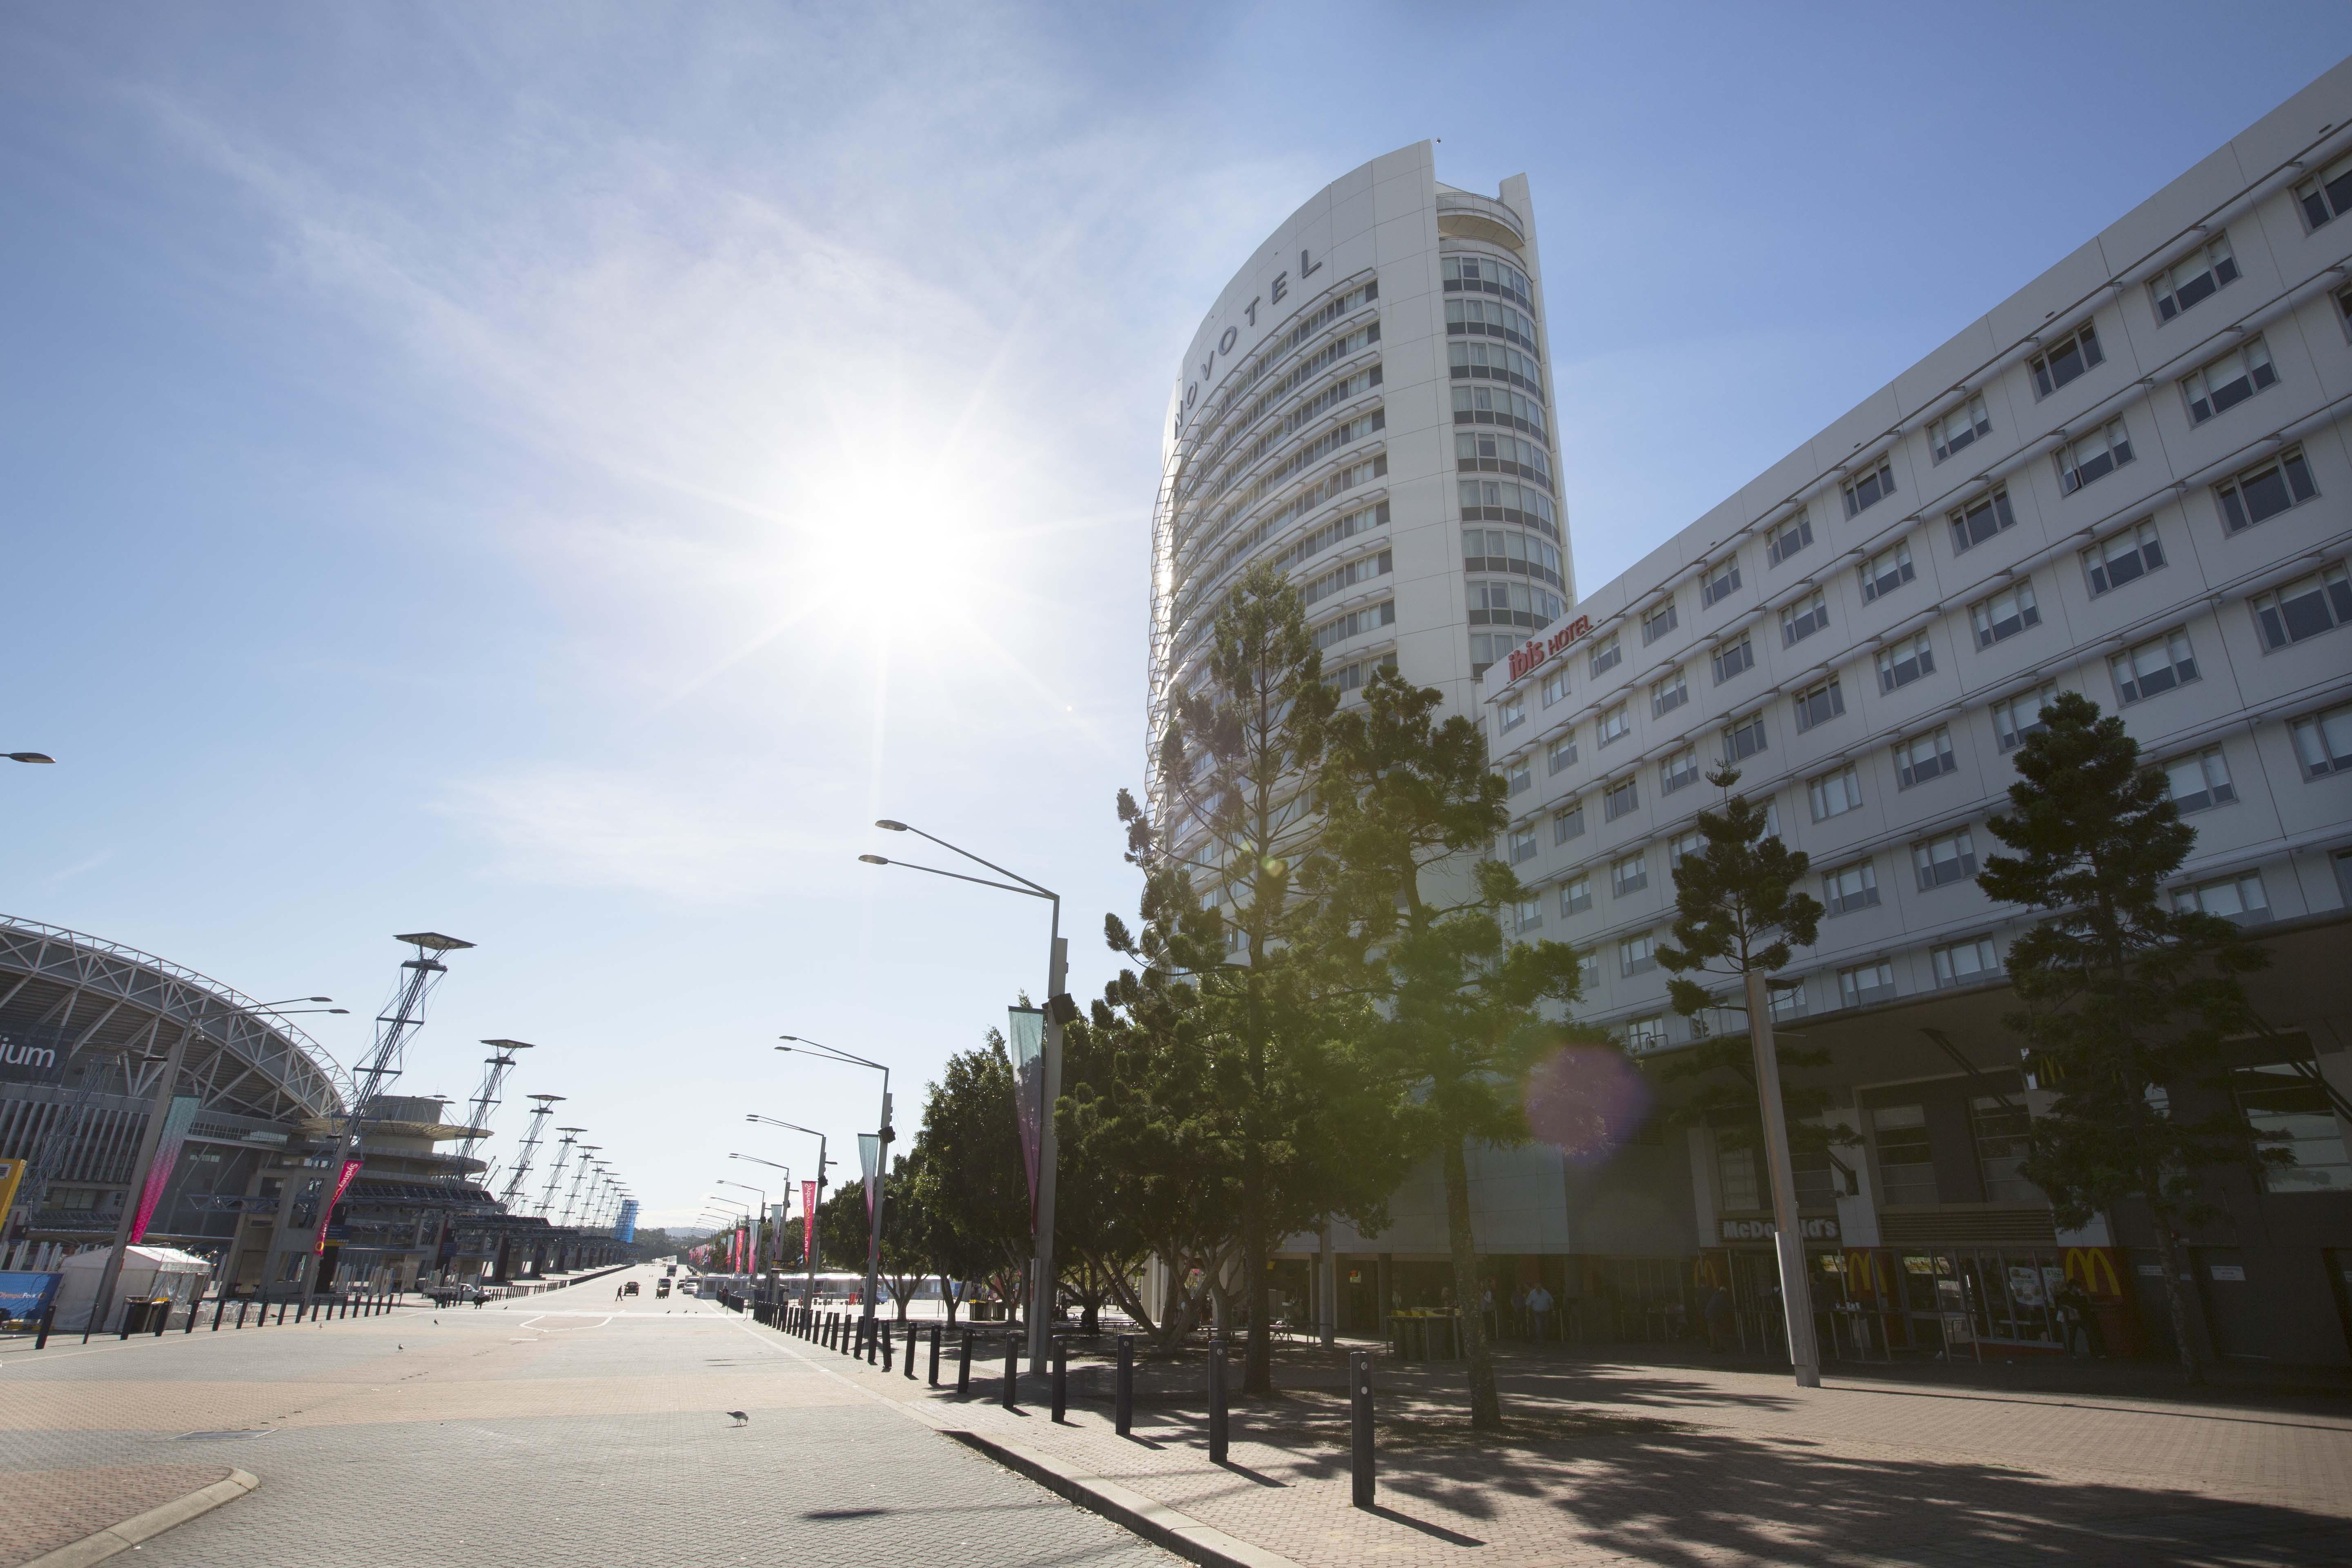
[2088, 1266]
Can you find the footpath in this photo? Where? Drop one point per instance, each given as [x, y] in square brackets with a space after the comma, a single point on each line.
[1613, 1461]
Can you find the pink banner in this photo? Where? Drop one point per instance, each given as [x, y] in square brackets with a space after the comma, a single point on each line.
[167, 1157]
[342, 1185]
[808, 1219]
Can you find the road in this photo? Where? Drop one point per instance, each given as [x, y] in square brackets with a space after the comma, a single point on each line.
[568, 1428]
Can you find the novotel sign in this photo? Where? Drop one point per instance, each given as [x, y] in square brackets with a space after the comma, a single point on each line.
[1537, 649]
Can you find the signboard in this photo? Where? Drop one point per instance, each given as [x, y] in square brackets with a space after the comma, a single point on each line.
[1814, 1228]
[1537, 649]
[34, 1053]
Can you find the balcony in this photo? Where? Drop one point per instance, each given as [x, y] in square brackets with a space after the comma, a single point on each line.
[1468, 215]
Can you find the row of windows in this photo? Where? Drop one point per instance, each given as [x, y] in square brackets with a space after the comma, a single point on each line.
[1371, 617]
[1499, 406]
[1484, 318]
[1493, 362]
[1352, 676]
[1336, 531]
[1478, 452]
[1305, 456]
[1343, 389]
[1322, 316]
[1475, 274]
[1338, 482]
[1499, 500]
[1499, 602]
[1345, 346]
[1343, 578]
[1501, 549]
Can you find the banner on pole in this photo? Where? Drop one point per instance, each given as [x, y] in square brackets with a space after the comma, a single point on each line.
[176, 1121]
[808, 1219]
[869, 1165]
[1025, 1034]
[342, 1184]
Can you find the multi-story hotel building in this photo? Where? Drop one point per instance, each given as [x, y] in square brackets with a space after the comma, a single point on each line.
[2130, 479]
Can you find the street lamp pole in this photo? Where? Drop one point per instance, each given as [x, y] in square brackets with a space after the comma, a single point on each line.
[808, 1226]
[881, 1159]
[722, 1198]
[1059, 1010]
[783, 1208]
[757, 1220]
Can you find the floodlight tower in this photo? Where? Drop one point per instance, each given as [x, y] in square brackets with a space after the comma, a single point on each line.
[539, 1113]
[579, 1178]
[563, 1157]
[486, 1098]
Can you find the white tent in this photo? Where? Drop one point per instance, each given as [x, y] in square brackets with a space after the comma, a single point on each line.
[147, 1272]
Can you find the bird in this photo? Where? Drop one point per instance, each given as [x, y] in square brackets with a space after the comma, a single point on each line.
[741, 1417]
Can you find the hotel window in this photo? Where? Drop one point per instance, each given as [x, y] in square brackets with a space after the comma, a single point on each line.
[1924, 757]
[2015, 718]
[2002, 1130]
[1506, 549]
[1851, 888]
[1788, 538]
[1873, 483]
[1906, 1161]
[1526, 914]
[2304, 608]
[1606, 655]
[1866, 982]
[1963, 426]
[1979, 520]
[1562, 754]
[1576, 897]
[1834, 794]
[1668, 692]
[1495, 406]
[1619, 798]
[1961, 963]
[2124, 557]
[1616, 723]
[1588, 970]
[2156, 666]
[1679, 771]
[1486, 362]
[1630, 875]
[1803, 619]
[2199, 782]
[2323, 742]
[2327, 197]
[1887, 570]
[1718, 582]
[1518, 777]
[1488, 649]
[1772, 817]
[1732, 659]
[2005, 614]
[1499, 500]
[1523, 845]
[1644, 1035]
[1555, 687]
[2061, 362]
[2287, 1109]
[1493, 601]
[1485, 317]
[1510, 715]
[1951, 857]
[2093, 457]
[1478, 273]
[1475, 451]
[2238, 898]
[1744, 738]
[1819, 704]
[2195, 276]
[2260, 493]
[1679, 849]
[1785, 999]
[1657, 621]
[2223, 384]
[1637, 955]
[1906, 662]
[1568, 822]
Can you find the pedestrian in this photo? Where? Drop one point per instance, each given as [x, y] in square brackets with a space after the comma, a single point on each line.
[1718, 1315]
[1540, 1309]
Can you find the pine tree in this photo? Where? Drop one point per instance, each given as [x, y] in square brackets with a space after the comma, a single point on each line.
[2126, 1000]
[969, 1180]
[1736, 913]
[1406, 919]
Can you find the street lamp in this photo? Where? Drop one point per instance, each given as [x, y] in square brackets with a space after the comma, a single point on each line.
[30, 757]
[1059, 1010]
[808, 1224]
[881, 1157]
[731, 1205]
[756, 1221]
[784, 1205]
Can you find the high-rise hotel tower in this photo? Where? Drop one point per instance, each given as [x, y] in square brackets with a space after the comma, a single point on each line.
[1374, 380]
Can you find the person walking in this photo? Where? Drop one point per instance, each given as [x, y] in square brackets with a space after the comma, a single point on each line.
[1540, 1309]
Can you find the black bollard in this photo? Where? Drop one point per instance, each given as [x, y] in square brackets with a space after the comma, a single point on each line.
[963, 1367]
[241, 1305]
[1061, 1379]
[910, 1369]
[162, 1311]
[220, 1305]
[1360, 1423]
[192, 1315]
[41, 1340]
[1219, 1435]
[1123, 1400]
[935, 1355]
[1011, 1371]
[281, 1314]
[882, 1341]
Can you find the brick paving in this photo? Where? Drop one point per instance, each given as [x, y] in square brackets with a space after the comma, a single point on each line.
[41, 1510]
[548, 1431]
[1612, 1462]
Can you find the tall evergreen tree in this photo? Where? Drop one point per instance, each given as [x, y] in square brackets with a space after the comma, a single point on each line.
[968, 1178]
[1736, 913]
[2128, 1000]
[1414, 925]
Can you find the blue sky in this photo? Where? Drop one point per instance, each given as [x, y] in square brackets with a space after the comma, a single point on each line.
[554, 474]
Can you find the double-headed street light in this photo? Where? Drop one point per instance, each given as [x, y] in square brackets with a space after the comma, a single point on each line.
[756, 1220]
[722, 1201]
[881, 1157]
[808, 1222]
[1058, 1011]
[784, 1205]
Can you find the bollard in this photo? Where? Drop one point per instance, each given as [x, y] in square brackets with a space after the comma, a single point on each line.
[241, 1305]
[220, 1305]
[1061, 1379]
[1219, 1432]
[281, 1314]
[1011, 1371]
[41, 1340]
[164, 1316]
[1359, 1424]
[1123, 1400]
[963, 1368]
[935, 1355]
[910, 1350]
[192, 1315]
[300, 1308]
[882, 1339]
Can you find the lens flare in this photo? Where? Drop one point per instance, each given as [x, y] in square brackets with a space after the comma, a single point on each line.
[1588, 1101]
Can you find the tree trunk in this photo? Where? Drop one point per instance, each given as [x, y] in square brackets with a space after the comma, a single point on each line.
[1485, 1404]
[2176, 1293]
[1258, 1362]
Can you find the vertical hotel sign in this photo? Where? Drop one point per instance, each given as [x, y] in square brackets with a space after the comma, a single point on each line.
[176, 1122]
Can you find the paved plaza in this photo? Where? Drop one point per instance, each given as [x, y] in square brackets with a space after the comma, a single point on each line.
[572, 1428]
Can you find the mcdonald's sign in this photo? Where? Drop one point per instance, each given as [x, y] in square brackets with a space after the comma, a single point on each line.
[2093, 1269]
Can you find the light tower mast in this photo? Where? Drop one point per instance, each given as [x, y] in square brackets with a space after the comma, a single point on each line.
[538, 1112]
[579, 1180]
[554, 1177]
[485, 1098]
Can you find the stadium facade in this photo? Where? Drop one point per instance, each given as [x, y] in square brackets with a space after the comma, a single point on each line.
[2129, 479]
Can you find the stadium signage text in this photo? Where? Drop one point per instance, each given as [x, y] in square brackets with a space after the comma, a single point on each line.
[1539, 649]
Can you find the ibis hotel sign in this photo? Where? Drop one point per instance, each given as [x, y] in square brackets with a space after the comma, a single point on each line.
[1537, 649]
